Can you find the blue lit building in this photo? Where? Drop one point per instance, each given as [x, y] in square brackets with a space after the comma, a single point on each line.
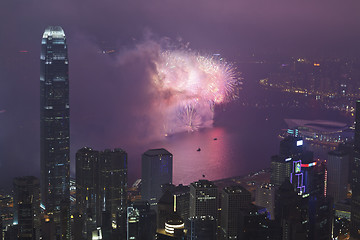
[156, 170]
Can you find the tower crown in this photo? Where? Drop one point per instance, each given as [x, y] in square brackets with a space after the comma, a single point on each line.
[54, 32]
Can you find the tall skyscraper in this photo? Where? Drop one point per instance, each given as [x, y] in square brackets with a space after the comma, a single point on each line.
[156, 170]
[355, 197]
[291, 149]
[291, 212]
[27, 207]
[101, 185]
[337, 170]
[113, 185]
[55, 127]
[87, 187]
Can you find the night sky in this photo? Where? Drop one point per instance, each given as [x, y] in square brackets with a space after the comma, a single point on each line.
[109, 97]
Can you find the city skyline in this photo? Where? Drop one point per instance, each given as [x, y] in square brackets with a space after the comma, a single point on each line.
[190, 101]
[95, 73]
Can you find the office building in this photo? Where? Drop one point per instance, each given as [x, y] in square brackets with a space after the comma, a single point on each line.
[157, 170]
[355, 198]
[337, 172]
[55, 127]
[133, 219]
[280, 169]
[87, 188]
[113, 185]
[203, 199]
[54, 118]
[265, 197]
[320, 212]
[282, 165]
[165, 209]
[201, 228]
[181, 196]
[291, 212]
[253, 224]
[143, 223]
[27, 207]
[233, 200]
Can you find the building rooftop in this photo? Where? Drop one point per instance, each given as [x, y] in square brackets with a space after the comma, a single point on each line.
[156, 152]
[236, 189]
[203, 184]
[28, 180]
[317, 125]
[54, 32]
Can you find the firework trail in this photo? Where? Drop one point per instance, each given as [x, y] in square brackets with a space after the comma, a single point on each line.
[189, 85]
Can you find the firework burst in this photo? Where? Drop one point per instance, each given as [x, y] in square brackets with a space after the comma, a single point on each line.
[190, 85]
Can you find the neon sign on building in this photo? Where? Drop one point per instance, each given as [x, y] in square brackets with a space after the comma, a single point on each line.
[297, 177]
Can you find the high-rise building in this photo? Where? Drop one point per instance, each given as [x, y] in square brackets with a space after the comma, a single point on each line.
[282, 166]
[165, 208]
[113, 185]
[87, 186]
[337, 172]
[54, 118]
[291, 212]
[280, 169]
[181, 196]
[156, 170]
[141, 221]
[233, 200]
[253, 224]
[203, 199]
[201, 228]
[355, 197]
[265, 197]
[133, 219]
[55, 126]
[101, 196]
[27, 207]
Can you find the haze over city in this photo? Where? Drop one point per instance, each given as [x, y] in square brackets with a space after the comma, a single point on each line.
[179, 119]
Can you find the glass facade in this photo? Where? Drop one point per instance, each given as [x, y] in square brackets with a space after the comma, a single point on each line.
[54, 119]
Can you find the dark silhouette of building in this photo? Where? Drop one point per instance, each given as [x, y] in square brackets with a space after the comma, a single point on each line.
[54, 123]
[233, 200]
[201, 228]
[101, 182]
[27, 207]
[157, 169]
[165, 209]
[181, 196]
[254, 224]
[355, 198]
[321, 217]
[87, 188]
[291, 212]
[141, 221]
[338, 174]
[113, 186]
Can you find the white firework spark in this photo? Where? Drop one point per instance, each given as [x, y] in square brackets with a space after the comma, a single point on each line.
[189, 86]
